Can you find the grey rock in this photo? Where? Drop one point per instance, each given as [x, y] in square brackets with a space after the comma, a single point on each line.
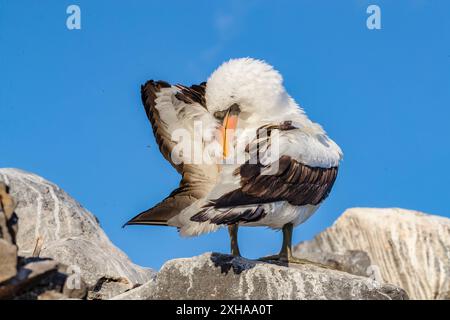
[39, 278]
[143, 292]
[218, 276]
[8, 260]
[28, 280]
[74, 286]
[356, 262]
[36, 269]
[407, 248]
[106, 288]
[52, 295]
[54, 225]
[443, 296]
[8, 229]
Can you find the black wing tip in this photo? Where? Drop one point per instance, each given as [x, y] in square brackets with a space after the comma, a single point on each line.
[155, 84]
[148, 90]
[139, 220]
[145, 223]
[129, 223]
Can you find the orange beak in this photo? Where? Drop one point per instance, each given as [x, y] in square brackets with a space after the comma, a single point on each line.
[227, 131]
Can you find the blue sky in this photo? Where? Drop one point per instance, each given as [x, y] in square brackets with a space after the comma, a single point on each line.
[70, 105]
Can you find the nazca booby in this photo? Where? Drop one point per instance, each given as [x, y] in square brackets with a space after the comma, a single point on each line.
[241, 99]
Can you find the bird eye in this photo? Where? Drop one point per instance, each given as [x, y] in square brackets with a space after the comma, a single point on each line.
[219, 115]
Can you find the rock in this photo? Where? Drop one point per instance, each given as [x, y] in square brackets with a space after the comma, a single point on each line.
[74, 286]
[218, 276]
[106, 288]
[8, 260]
[356, 262]
[8, 249]
[28, 277]
[52, 295]
[7, 206]
[39, 278]
[409, 249]
[53, 225]
[143, 292]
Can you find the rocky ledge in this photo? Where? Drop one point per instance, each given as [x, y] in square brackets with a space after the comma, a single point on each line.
[219, 276]
[407, 248]
[53, 248]
[45, 231]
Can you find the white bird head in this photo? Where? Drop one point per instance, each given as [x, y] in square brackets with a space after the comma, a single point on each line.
[247, 93]
[253, 85]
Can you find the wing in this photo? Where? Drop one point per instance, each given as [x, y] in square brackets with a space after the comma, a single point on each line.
[285, 179]
[294, 182]
[169, 108]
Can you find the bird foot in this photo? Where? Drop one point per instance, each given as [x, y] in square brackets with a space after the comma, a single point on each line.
[275, 257]
[294, 260]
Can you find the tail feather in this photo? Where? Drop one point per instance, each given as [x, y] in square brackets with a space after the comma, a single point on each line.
[160, 214]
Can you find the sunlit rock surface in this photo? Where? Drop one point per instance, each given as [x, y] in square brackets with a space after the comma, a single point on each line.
[411, 249]
[219, 276]
[54, 225]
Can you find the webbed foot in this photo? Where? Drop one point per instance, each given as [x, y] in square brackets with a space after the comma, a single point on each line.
[292, 260]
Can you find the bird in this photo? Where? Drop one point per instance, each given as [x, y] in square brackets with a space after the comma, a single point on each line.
[263, 161]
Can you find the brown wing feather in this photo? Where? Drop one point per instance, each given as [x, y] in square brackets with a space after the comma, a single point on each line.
[196, 180]
[294, 182]
[149, 94]
[192, 94]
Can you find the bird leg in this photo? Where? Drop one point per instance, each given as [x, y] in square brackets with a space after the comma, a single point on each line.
[233, 231]
[285, 254]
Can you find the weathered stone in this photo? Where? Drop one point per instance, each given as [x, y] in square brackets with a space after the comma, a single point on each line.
[54, 225]
[356, 262]
[75, 289]
[106, 288]
[8, 260]
[218, 276]
[143, 292]
[51, 295]
[7, 203]
[43, 279]
[409, 248]
[28, 276]
[8, 250]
